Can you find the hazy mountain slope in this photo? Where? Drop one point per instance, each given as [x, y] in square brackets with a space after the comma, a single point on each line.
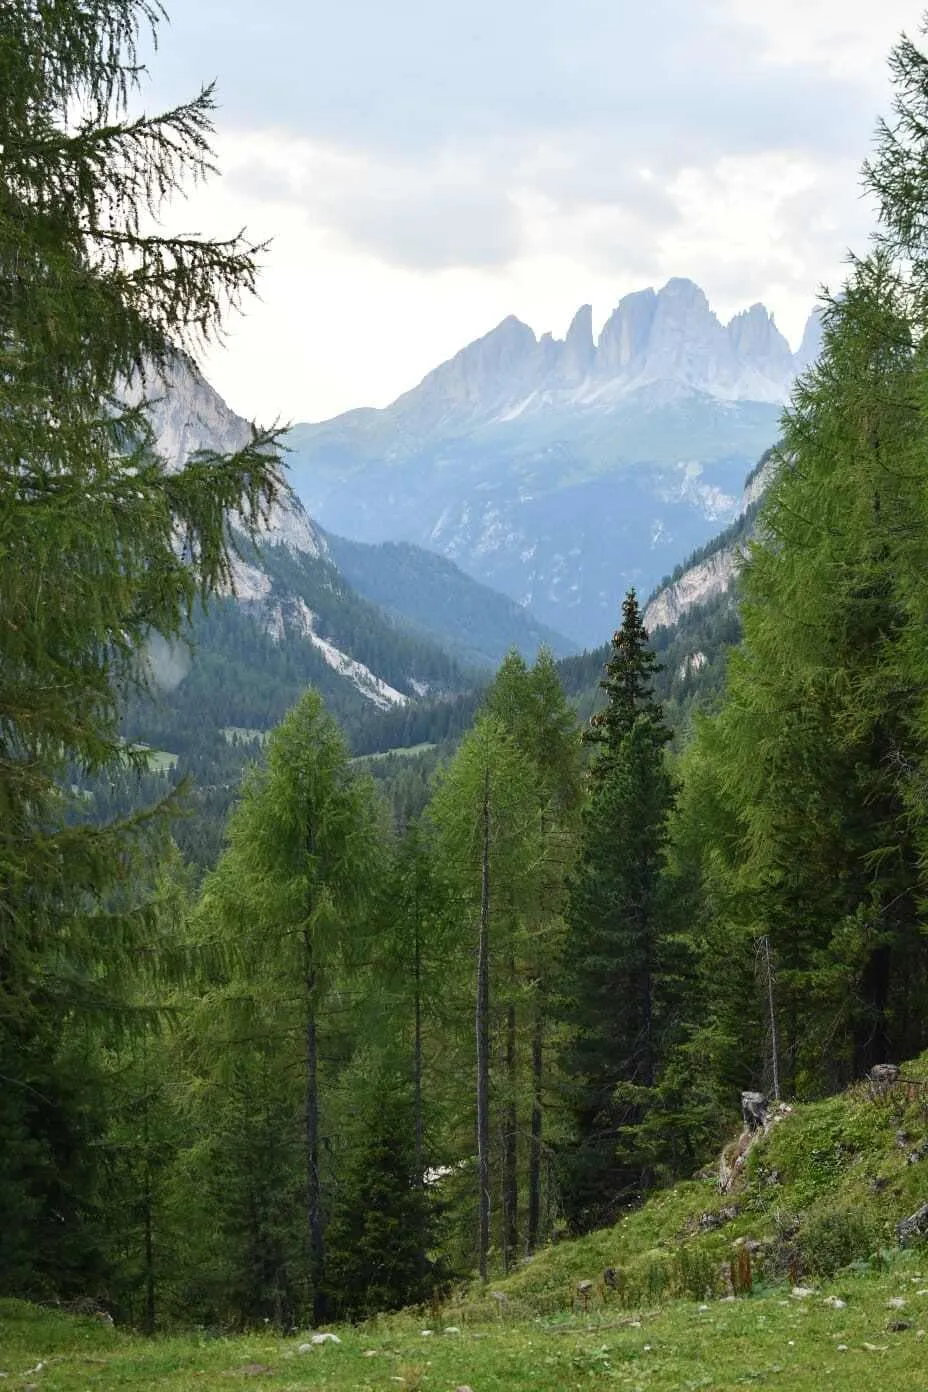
[437, 599]
[562, 472]
[692, 618]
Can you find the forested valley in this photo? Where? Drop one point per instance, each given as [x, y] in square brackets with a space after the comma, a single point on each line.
[334, 1054]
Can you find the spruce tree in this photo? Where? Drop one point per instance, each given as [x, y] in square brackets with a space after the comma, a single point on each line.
[383, 1218]
[614, 924]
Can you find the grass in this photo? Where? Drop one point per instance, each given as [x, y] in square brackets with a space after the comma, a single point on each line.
[817, 1201]
[769, 1339]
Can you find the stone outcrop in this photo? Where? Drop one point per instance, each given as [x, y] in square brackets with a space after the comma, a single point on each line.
[701, 582]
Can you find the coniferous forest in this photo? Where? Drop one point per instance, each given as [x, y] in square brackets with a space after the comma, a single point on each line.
[347, 1058]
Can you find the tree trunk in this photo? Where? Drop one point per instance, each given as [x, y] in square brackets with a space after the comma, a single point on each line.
[534, 1159]
[417, 1043]
[510, 1151]
[313, 1205]
[483, 1045]
[149, 1242]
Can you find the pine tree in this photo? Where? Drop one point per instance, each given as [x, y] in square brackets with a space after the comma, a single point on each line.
[628, 685]
[614, 925]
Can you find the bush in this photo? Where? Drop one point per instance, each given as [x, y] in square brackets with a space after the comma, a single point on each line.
[835, 1237]
[697, 1273]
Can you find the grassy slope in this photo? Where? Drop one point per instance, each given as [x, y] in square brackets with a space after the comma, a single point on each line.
[824, 1189]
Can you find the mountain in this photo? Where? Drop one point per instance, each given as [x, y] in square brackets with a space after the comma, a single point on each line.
[562, 471]
[382, 643]
[692, 619]
[433, 597]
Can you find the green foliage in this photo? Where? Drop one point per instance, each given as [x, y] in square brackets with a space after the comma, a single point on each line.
[383, 1222]
[615, 923]
[834, 1237]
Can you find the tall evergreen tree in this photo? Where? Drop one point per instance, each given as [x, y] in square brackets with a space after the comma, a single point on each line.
[101, 546]
[291, 894]
[614, 927]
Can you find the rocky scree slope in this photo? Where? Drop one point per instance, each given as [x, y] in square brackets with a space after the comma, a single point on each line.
[562, 471]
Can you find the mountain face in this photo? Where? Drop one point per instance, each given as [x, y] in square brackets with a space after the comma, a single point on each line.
[563, 471]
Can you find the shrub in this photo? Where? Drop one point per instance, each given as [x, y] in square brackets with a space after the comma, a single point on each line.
[834, 1237]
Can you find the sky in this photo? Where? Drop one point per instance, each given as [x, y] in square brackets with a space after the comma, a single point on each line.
[423, 168]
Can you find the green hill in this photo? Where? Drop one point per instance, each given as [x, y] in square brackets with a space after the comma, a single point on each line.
[792, 1278]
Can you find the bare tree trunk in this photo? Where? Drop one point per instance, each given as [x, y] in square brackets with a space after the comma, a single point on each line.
[483, 1044]
[510, 1144]
[313, 1204]
[767, 969]
[149, 1241]
[534, 1159]
[417, 1044]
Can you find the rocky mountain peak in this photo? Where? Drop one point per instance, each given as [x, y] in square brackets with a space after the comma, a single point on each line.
[579, 349]
[811, 344]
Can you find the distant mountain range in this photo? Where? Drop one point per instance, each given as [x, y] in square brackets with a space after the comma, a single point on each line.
[561, 472]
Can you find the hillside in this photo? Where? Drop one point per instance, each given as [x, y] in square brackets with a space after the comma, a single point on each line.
[795, 1276]
[692, 618]
[432, 596]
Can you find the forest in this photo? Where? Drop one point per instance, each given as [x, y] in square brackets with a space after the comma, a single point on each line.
[336, 1060]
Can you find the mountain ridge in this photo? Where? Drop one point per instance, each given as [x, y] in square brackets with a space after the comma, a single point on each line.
[561, 472]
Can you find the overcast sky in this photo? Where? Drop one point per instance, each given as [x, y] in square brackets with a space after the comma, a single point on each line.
[426, 167]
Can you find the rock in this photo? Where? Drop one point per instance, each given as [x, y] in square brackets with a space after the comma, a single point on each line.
[835, 1302]
[754, 1107]
[916, 1225]
[584, 1287]
[875, 1348]
[801, 1292]
[451, 1329]
[842, 1348]
[325, 1339]
[881, 1077]
[463, 1388]
[709, 1221]
[896, 1302]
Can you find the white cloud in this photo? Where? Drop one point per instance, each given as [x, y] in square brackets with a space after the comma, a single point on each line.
[421, 180]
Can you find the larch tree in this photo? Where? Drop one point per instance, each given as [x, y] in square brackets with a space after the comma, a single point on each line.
[291, 894]
[531, 705]
[483, 822]
[102, 546]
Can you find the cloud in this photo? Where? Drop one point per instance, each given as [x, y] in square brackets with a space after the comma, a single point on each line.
[430, 168]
